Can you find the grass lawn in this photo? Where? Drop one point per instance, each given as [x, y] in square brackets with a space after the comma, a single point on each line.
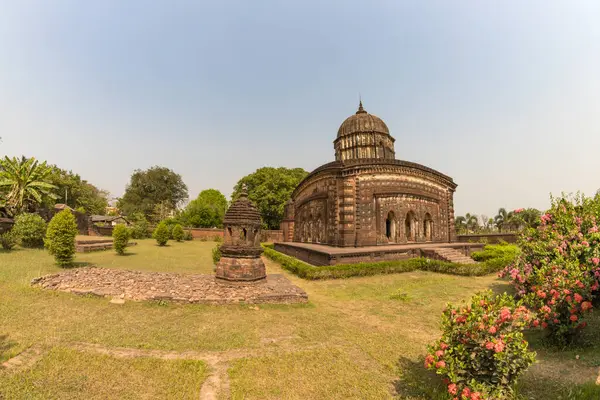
[359, 338]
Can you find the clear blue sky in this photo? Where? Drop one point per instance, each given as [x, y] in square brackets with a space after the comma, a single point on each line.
[504, 96]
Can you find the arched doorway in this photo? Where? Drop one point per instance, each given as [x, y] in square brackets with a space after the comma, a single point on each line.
[428, 227]
[390, 227]
[410, 226]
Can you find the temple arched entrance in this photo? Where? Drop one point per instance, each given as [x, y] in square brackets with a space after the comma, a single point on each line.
[390, 227]
[428, 227]
[410, 226]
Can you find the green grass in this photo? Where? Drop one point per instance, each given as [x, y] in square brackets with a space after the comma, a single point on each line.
[361, 337]
[68, 374]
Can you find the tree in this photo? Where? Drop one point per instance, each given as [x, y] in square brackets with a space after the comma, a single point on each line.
[60, 237]
[177, 233]
[270, 188]
[77, 193]
[120, 236]
[155, 192]
[466, 223]
[205, 211]
[161, 234]
[501, 219]
[25, 183]
[30, 229]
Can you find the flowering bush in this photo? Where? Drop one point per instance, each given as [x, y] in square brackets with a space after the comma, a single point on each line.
[558, 269]
[482, 351]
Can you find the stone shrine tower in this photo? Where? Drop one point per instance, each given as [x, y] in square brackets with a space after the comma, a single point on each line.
[241, 250]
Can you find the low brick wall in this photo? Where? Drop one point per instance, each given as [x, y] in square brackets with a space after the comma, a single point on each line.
[490, 238]
[206, 233]
[270, 236]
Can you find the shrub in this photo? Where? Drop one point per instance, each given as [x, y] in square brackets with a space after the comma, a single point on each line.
[30, 230]
[8, 240]
[140, 229]
[177, 233]
[120, 236]
[558, 271]
[307, 271]
[482, 351]
[161, 234]
[216, 253]
[187, 235]
[218, 239]
[60, 237]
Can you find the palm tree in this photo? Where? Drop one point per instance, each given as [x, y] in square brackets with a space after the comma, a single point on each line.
[501, 219]
[25, 182]
[467, 222]
[460, 223]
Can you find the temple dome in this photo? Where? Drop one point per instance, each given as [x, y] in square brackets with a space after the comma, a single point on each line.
[362, 121]
[242, 211]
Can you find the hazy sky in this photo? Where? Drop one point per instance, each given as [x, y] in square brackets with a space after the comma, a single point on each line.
[504, 96]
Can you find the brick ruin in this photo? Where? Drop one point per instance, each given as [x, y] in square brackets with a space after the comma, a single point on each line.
[367, 197]
[241, 250]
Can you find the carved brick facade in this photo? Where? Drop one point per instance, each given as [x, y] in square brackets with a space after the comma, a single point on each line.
[367, 197]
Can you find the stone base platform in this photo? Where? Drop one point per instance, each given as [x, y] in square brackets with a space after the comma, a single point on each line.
[319, 255]
[139, 286]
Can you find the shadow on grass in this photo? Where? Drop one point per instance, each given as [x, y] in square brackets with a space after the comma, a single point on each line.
[127, 254]
[5, 346]
[77, 264]
[416, 382]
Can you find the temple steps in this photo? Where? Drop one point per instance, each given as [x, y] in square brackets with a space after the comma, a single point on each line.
[452, 255]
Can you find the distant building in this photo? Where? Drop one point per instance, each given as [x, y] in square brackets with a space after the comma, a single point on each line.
[110, 220]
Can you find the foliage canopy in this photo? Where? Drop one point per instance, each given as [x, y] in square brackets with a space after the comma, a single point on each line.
[270, 188]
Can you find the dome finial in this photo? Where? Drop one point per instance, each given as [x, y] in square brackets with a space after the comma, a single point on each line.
[361, 110]
[244, 191]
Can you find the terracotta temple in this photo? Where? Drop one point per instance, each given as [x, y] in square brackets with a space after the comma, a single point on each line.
[241, 250]
[367, 197]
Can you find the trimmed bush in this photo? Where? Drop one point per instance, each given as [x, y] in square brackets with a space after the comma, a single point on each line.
[120, 236]
[187, 235]
[140, 230]
[310, 272]
[482, 350]
[177, 233]
[60, 237]
[161, 234]
[30, 230]
[8, 240]
[216, 253]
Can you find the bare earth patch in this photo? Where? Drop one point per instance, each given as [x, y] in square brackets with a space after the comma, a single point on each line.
[139, 286]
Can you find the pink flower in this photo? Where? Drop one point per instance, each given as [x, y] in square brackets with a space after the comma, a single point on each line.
[586, 244]
[541, 294]
[452, 388]
[492, 330]
[595, 260]
[578, 298]
[440, 364]
[586, 305]
[536, 323]
[574, 318]
[429, 360]
[489, 345]
[443, 346]
[475, 396]
[439, 353]
[499, 347]
[466, 392]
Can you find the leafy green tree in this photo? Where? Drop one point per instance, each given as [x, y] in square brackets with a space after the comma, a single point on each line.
[30, 229]
[157, 188]
[501, 219]
[8, 240]
[140, 228]
[205, 211]
[24, 183]
[467, 223]
[77, 193]
[270, 188]
[60, 237]
[161, 234]
[177, 233]
[120, 236]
